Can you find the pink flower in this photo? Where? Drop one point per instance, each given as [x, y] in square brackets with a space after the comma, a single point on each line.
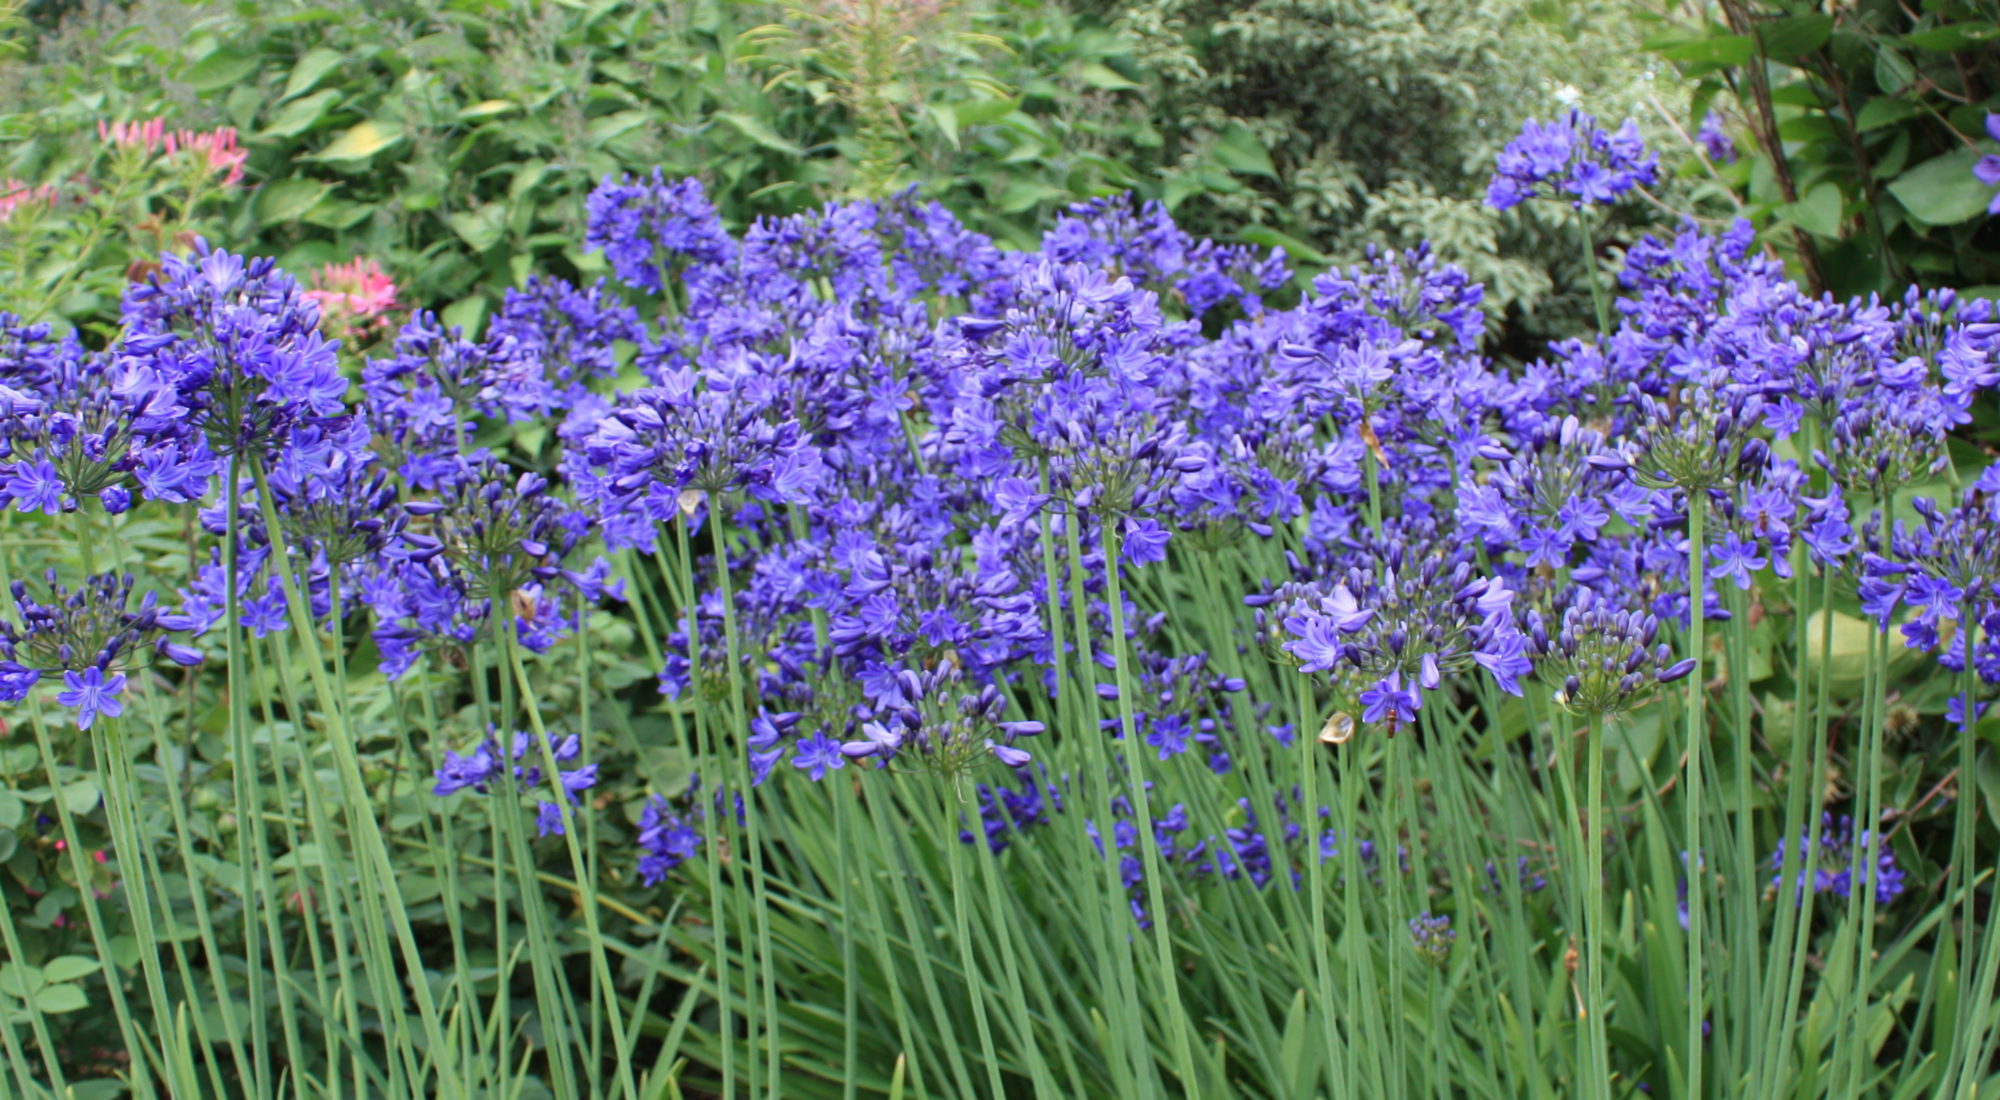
[220, 148]
[148, 135]
[15, 194]
[217, 147]
[356, 294]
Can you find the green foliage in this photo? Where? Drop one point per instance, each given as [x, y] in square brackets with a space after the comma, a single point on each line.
[454, 142]
[1345, 125]
[1865, 120]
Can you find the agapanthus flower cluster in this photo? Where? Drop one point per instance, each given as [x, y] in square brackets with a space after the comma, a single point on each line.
[1600, 658]
[486, 766]
[667, 837]
[1397, 626]
[647, 229]
[1987, 169]
[231, 348]
[73, 432]
[941, 725]
[1837, 853]
[93, 636]
[1944, 572]
[911, 469]
[492, 542]
[1432, 938]
[661, 449]
[1715, 140]
[1574, 160]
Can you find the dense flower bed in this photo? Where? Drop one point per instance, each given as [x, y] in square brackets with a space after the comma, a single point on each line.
[1104, 538]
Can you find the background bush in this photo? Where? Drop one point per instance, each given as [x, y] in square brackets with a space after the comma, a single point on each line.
[1865, 120]
[454, 142]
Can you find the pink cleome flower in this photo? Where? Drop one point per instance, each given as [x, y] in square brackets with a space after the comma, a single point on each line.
[217, 147]
[15, 194]
[356, 293]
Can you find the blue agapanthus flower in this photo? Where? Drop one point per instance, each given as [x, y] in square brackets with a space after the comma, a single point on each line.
[1573, 160]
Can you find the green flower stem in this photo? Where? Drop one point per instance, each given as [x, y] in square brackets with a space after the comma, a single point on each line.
[147, 1060]
[335, 881]
[1135, 758]
[869, 913]
[732, 749]
[108, 744]
[38, 1025]
[442, 844]
[1122, 988]
[918, 933]
[378, 875]
[1964, 820]
[1794, 926]
[1596, 1004]
[1001, 928]
[587, 889]
[225, 1001]
[715, 832]
[968, 959]
[1849, 1041]
[252, 848]
[1322, 965]
[848, 927]
[1108, 943]
[1697, 746]
[1593, 272]
[1362, 991]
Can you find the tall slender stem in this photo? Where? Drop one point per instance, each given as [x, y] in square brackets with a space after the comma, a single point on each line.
[1149, 848]
[1697, 508]
[1592, 272]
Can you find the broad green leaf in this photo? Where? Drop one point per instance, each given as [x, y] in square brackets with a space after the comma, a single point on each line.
[287, 200]
[19, 980]
[979, 112]
[1943, 190]
[480, 227]
[1817, 212]
[1794, 35]
[487, 108]
[1847, 657]
[1294, 247]
[1953, 37]
[68, 968]
[606, 127]
[1988, 772]
[466, 313]
[1022, 194]
[1893, 71]
[309, 70]
[1881, 111]
[1716, 49]
[946, 119]
[298, 116]
[221, 68]
[80, 797]
[12, 809]
[1238, 150]
[759, 131]
[362, 140]
[1099, 75]
[336, 213]
[57, 999]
